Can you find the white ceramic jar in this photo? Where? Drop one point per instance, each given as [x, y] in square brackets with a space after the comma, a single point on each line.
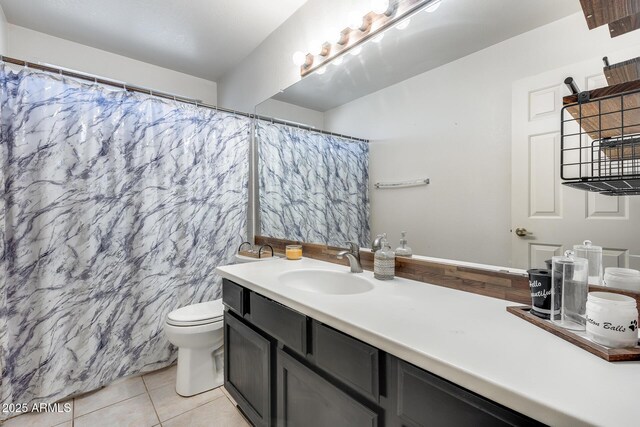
[622, 278]
[612, 319]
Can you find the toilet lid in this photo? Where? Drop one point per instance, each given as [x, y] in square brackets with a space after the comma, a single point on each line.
[197, 313]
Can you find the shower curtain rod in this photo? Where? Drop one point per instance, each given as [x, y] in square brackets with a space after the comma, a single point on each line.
[113, 83]
[139, 89]
[304, 127]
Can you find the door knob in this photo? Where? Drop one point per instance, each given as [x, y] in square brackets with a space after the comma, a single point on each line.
[522, 232]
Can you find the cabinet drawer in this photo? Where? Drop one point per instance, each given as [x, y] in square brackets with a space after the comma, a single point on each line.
[287, 326]
[234, 296]
[424, 399]
[306, 399]
[351, 361]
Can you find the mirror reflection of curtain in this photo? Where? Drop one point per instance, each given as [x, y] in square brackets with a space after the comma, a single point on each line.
[313, 187]
[117, 207]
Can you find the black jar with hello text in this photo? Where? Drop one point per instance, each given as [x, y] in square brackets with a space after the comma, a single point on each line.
[540, 286]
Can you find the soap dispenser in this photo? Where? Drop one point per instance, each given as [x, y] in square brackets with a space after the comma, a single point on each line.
[384, 261]
[403, 249]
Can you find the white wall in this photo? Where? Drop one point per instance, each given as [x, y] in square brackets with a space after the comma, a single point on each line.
[293, 113]
[453, 125]
[39, 47]
[269, 68]
[3, 33]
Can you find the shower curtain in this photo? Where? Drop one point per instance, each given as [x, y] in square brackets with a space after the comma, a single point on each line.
[312, 187]
[116, 209]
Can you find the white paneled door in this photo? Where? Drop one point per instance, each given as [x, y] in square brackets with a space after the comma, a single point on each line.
[549, 216]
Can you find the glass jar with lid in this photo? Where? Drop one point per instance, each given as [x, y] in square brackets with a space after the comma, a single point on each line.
[593, 255]
[569, 291]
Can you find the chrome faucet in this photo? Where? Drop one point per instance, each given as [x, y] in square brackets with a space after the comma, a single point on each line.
[353, 255]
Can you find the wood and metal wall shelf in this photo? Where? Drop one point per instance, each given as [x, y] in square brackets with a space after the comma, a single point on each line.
[622, 16]
[600, 140]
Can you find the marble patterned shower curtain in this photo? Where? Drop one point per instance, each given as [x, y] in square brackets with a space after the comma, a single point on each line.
[312, 187]
[116, 209]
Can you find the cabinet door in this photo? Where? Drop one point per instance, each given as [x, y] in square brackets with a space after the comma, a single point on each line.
[306, 399]
[423, 399]
[247, 375]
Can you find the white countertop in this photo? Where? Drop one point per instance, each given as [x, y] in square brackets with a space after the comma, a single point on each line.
[468, 339]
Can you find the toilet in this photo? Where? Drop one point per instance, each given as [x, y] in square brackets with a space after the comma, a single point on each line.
[197, 331]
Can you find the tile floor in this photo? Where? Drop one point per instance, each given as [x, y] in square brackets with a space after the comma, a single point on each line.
[139, 401]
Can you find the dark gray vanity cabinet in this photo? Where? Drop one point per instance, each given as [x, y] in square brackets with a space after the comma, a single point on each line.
[285, 369]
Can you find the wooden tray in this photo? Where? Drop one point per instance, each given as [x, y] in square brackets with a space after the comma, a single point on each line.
[255, 254]
[606, 353]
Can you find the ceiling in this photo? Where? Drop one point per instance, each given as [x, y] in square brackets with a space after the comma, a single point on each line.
[456, 29]
[204, 38]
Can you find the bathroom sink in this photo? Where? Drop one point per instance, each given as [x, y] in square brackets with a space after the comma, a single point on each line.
[326, 282]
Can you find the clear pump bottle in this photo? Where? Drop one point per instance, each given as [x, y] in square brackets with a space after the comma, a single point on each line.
[404, 249]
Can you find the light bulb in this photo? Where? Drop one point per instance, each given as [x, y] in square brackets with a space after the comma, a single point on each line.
[403, 24]
[332, 35]
[355, 19]
[378, 38]
[299, 58]
[315, 48]
[338, 60]
[356, 50]
[433, 6]
[321, 70]
[379, 6]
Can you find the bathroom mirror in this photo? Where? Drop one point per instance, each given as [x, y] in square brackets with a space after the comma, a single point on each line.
[475, 110]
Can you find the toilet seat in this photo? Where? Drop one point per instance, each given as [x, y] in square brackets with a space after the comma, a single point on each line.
[197, 314]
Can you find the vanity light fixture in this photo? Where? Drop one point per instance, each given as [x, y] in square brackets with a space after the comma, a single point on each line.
[385, 14]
